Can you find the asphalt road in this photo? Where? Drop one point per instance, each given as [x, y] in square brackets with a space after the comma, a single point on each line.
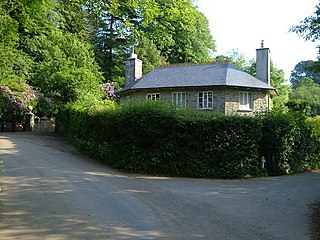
[50, 191]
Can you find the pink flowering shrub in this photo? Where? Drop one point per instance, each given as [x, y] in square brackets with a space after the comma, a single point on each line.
[14, 102]
[110, 91]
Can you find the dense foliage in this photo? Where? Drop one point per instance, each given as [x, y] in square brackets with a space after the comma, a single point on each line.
[56, 54]
[154, 138]
[289, 143]
[37, 54]
[304, 69]
[309, 27]
[14, 101]
[308, 91]
[172, 29]
[305, 77]
[65, 50]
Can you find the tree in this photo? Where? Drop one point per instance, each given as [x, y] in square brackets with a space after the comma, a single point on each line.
[235, 57]
[175, 28]
[304, 69]
[67, 69]
[180, 32]
[109, 34]
[48, 43]
[309, 91]
[309, 27]
[149, 54]
[72, 17]
[15, 64]
[60, 65]
[283, 88]
[306, 74]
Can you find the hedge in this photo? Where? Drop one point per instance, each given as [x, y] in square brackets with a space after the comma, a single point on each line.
[154, 138]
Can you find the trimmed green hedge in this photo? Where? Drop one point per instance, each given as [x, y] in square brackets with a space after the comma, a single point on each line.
[290, 143]
[154, 138]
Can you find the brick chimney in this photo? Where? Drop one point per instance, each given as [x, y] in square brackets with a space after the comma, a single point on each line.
[133, 69]
[263, 64]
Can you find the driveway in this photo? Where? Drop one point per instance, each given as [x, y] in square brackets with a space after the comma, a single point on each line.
[50, 191]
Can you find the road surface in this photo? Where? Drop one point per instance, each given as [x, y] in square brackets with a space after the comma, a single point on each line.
[50, 191]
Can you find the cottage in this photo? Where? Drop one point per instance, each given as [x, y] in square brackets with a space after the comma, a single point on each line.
[220, 87]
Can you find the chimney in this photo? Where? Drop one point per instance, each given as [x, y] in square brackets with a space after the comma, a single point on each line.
[133, 69]
[263, 64]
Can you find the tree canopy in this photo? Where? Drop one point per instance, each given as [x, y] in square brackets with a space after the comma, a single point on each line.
[235, 57]
[305, 77]
[308, 91]
[35, 51]
[63, 51]
[174, 28]
[304, 69]
[309, 27]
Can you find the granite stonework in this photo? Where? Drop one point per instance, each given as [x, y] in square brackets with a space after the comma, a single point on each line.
[225, 100]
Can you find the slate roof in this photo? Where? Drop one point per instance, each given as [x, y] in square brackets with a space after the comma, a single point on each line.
[197, 75]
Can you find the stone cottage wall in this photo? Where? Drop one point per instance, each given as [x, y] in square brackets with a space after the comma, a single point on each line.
[260, 101]
[224, 100]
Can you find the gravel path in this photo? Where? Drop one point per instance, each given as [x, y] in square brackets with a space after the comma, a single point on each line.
[50, 191]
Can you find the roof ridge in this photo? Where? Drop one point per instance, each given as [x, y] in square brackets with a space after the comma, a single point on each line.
[191, 64]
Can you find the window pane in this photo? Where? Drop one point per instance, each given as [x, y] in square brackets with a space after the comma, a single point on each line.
[183, 99]
[250, 100]
[179, 99]
[200, 100]
[210, 100]
[205, 100]
[246, 101]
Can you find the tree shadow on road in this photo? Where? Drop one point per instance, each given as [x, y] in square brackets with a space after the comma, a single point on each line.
[315, 221]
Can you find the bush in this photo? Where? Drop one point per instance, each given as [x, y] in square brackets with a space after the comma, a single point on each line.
[14, 100]
[313, 142]
[154, 138]
[289, 143]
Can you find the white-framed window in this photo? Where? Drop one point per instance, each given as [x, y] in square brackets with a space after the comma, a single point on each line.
[179, 99]
[205, 100]
[246, 101]
[153, 96]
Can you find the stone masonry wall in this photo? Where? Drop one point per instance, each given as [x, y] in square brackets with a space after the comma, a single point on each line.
[224, 100]
[260, 101]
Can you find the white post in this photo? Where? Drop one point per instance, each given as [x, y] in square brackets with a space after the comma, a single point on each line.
[263, 161]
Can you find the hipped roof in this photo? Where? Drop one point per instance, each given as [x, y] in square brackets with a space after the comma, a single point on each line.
[197, 75]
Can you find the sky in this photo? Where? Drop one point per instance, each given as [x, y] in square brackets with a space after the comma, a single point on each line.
[242, 24]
